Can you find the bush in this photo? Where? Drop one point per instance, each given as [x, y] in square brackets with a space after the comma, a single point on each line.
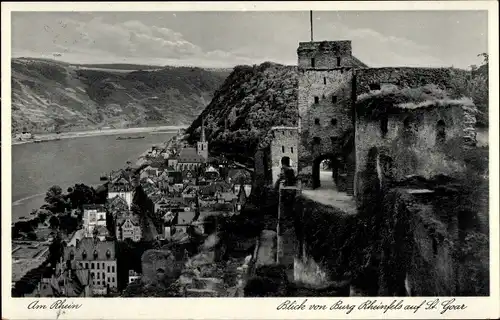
[261, 287]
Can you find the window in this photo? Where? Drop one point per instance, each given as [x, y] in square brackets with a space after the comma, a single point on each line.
[324, 80]
[338, 61]
[81, 265]
[334, 99]
[113, 279]
[98, 282]
[316, 121]
[333, 122]
[98, 265]
[95, 254]
[316, 99]
[92, 275]
[84, 255]
[440, 132]
[98, 274]
[108, 254]
[434, 246]
[282, 149]
[313, 62]
[291, 149]
[374, 86]
[317, 140]
[103, 266]
[103, 275]
[108, 279]
[383, 125]
[71, 255]
[92, 265]
[86, 265]
[113, 269]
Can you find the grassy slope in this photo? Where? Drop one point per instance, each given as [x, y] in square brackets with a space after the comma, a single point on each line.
[46, 93]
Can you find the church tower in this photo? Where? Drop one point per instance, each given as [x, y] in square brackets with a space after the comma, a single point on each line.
[202, 145]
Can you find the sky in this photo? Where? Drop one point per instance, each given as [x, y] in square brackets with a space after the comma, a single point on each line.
[226, 39]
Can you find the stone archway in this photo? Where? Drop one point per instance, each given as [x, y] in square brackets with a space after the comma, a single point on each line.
[316, 170]
[286, 162]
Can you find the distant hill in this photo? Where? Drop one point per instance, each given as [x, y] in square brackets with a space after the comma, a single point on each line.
[50, 95]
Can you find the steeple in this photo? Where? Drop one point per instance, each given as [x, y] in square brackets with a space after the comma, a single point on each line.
[202, 130]
[202, 145]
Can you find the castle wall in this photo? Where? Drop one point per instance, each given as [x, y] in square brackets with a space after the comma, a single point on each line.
[416, 152]
[402, 77]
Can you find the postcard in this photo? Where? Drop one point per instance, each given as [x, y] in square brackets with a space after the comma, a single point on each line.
[250, 160]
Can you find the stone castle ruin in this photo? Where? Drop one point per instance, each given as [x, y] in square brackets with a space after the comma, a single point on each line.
[345, 109]
[390, 135]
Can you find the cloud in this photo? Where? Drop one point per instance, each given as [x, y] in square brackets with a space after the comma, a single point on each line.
[130, 40]
[377, 49]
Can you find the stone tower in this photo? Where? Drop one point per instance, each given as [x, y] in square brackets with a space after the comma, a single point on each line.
[283, 150]
[202, 145]
[325, 101]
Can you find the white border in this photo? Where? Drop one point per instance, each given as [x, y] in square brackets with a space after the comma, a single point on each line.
[228, 308]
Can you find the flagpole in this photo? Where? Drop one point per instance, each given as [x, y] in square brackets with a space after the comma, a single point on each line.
[311, 21]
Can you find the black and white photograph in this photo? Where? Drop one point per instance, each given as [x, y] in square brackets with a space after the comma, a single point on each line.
[249, 153]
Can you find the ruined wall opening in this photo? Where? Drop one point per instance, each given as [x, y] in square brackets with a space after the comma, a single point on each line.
[383, 125]
[440, 132]
[325, 172]
[467, 221]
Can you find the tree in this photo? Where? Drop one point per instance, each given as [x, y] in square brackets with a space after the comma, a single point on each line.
[42, 216]
[55, 199]
[80, 195]
[54, 222]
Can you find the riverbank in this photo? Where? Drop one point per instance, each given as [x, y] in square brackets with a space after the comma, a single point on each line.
[91, 133]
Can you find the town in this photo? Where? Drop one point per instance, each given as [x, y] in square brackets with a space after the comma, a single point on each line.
[162, 202]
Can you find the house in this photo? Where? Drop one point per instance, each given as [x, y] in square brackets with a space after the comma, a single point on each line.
[211, 189]
[189, 193]
[94, 215]
[98, 257]
[101, 232]
[211, 173]
[69, 283]
[123, 188]
[133, 276]
[116, 207]
[239, 176]
[128, 227]
[184, 220]
[154, 169]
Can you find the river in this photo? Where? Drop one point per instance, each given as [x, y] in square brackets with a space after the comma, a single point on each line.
[38, 166]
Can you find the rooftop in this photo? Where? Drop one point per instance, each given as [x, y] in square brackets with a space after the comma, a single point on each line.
[190, 154]
[89, 246]
[94, 207]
